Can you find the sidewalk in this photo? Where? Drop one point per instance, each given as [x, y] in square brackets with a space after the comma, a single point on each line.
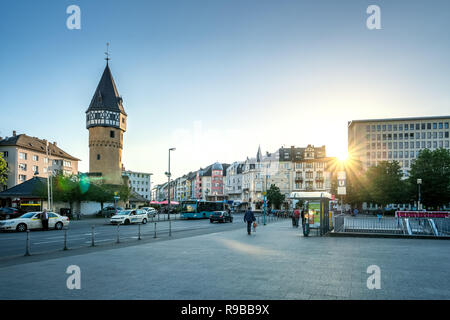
[276, 262]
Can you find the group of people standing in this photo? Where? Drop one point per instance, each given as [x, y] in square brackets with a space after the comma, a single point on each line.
[296, 217]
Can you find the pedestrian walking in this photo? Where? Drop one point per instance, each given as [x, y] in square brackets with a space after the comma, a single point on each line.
[303, 217]
[249, 217]
[296, 217]
[44, 219]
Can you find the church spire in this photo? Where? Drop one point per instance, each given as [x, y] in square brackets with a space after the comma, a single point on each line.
[259, 154]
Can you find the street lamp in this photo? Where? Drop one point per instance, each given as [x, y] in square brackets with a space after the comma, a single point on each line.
[168, 177]
[150, 183]
[419, 182]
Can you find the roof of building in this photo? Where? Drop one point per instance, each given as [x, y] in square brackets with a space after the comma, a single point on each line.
[136, 197]
[400, 119]
[36, 144]
[217, 166]
[293, 153]
[106, 96]
[28, 189]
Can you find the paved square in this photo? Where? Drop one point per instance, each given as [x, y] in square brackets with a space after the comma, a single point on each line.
[275, 263]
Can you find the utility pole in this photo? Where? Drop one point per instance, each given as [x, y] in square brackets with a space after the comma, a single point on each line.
[168, 177]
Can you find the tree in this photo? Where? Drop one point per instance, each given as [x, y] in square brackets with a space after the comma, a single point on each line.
[384, 184]
[356, 191]
[274, 196]
[3, 171]
[433, 167]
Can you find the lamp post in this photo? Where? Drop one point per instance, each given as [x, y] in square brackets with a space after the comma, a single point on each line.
[168, 178]
[150, 184]
[419, 182]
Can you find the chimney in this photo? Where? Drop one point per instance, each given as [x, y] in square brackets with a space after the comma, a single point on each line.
[54, 143]
[14, 133]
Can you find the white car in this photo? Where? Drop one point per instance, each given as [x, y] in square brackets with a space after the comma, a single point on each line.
[151, 212]
[130, 216]
[32, 220]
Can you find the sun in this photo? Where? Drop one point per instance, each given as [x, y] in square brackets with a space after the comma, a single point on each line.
[343, 156]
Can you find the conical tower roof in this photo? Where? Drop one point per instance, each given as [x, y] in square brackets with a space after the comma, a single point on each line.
[106, 96]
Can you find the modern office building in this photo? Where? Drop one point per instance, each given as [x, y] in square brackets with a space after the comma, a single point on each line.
[399, 139]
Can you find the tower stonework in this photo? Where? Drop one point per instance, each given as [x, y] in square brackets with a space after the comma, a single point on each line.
[106, 121]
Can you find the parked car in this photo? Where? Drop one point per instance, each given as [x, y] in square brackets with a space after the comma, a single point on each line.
[130, 216]
[9, 213]
[108, 211]
[220, 216]
[151, 212]
[32, 220]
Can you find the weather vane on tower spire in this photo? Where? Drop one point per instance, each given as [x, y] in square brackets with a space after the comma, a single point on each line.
[107, 53]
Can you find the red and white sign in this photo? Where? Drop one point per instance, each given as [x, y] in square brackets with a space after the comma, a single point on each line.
[422, 214]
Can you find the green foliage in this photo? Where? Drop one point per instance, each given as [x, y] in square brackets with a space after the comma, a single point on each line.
[384, 184]
[3, 171]
[74, 188]
[433, 167]
[275, 197]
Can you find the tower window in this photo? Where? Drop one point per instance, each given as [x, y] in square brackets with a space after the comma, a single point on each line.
[98, 156]
[111, 134]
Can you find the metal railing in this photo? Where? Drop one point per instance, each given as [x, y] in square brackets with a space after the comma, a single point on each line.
[391, 225]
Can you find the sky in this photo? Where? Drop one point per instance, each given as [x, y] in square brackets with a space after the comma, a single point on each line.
[217, 78]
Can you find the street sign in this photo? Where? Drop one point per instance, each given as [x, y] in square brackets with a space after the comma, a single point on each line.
[341, 183]
[116, 197]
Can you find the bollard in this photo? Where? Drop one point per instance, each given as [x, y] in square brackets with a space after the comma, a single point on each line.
[154, 236]
[170, 228]
[139, 231]
[27, 247]
[65, 239]
[118, 233]
[92, 237]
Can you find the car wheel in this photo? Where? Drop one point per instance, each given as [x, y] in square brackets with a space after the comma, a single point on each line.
[59, 226]
[22, 227]
[127, 222]
[144, 221]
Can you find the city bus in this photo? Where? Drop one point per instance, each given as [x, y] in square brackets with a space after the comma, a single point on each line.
[200, 209]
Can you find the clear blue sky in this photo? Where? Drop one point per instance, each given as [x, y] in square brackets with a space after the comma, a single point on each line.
[216, 78]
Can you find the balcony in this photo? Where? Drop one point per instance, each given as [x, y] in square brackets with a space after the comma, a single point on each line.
[298, 179]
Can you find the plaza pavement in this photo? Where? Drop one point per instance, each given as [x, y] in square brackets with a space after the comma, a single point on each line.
[276, 262]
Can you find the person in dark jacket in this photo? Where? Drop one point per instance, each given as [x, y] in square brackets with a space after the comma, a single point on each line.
[249, 217]
[44, 219]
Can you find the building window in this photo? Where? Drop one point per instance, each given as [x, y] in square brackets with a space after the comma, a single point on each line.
[111, 134]
[22, 156]
[22, 177]
[98, 156]
[5, 154]
[23, 166]
[67, 163]
[35, 169]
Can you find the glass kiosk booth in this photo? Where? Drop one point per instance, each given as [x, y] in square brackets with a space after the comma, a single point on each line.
[317, 211]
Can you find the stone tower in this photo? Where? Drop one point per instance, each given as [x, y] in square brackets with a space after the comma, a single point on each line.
[106, 121]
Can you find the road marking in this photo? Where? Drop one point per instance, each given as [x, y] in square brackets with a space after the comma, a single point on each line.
[103, 240]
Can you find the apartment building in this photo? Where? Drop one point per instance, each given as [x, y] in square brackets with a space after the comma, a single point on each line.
[399, 139]
[27, 157]
[140, 182]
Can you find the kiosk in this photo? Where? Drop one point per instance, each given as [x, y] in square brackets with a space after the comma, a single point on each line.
[317, 210]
